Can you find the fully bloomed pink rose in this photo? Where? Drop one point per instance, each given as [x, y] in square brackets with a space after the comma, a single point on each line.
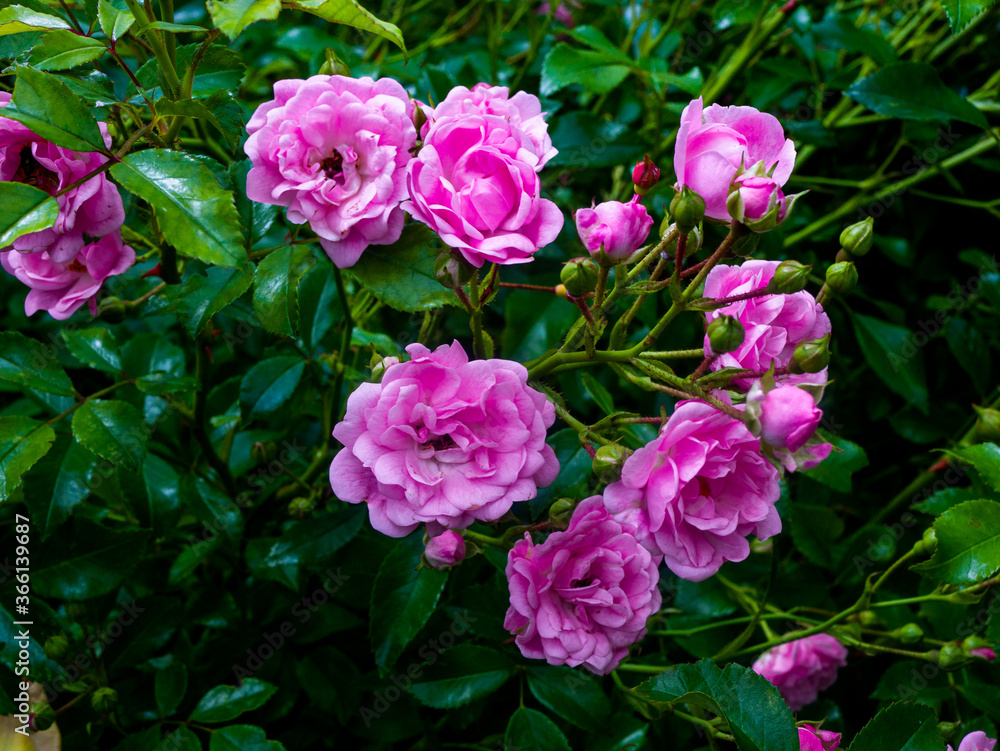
[814, 739]
[714, 143]
[802, 668]
[612, 231]
[334, 150]
[93, 208]
[522, 111]
[697, 491]
[61, 288]
[583, 596]
[445, 550]
[774, 324]
[977, 741]
[443, 441]
[475, 183]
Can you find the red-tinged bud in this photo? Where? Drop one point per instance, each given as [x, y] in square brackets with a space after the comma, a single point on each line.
[645, 175]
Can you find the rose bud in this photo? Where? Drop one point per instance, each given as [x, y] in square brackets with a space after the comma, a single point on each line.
[579, 276]
[608, 462]
[811, 356]
[857, 239]
[612, 231]
[645, 175]
[445, 550]
[725, 334]
[987, 424]
[790, 277]
[789, 417]
[687, 208]
[842, 277]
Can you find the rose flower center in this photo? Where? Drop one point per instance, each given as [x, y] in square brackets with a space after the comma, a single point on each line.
[30, 172]
[333, 165]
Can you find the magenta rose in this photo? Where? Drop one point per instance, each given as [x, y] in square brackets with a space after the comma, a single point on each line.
[774, 324]
[713, 144]
[813, 739]
[583, 596]
[61, 288]
[785, 418]
[697, 491]
[612, 231]
[522, 111]
[984, 653]
[443, 441]
[333, 150]
[977, 741]
[475, 183]
[802, 668]
[445, 550]
[93, 208]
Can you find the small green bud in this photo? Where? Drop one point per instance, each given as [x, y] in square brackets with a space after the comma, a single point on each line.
[104, 699]
[947, 729]
[300, 507]
[951, 656]
[929, 540]
[560, 512]
[870, 619]
[790, 277]
[451, 271]
[579, 275]
[608, 461]
[693, 242]
[911, 633]
[687, 208]
[987, 425]
[975, 642]
[857, 239]
[334, 66]
[56, 647]
[725, 334]
[811, 356]
[842, 277]
[43, 716]
[112, 310]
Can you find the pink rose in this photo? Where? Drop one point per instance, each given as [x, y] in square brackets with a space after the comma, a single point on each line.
[613, 230]
[760, 195]
[333, 150]
[445, 550]
[813, 739]
[802, 668]
[474, 182]
[61, 288]
[93, 208]
[977, 741]
[697, 491]
[713, 145]
[583, 596]
[774, 324]
[443, 441]
[786, 419]
[522, 111]
[984, 652]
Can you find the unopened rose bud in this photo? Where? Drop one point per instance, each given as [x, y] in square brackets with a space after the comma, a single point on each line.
[613, 231]
[445, 550]
[645, 175]
[927, 543]
[56, 647]
[790, 277]
[43, 716]
[979, 647]
[870, 619]
[694, 239]
[725, 334]
[608, 461]
[947, 729]
[951, 656]
[911, 633]
[112, 310]
[334, 66]
[987, 425]
[579, 276]
[451, 271]
[381, 364]
[688, 209]
[842, 277]
[104, 699]
[811, 356]
[300, 507]
[560, 512]
[857, 239]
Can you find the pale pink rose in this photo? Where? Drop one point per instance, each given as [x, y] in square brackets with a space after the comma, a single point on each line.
[333, 150]
[583, 596]
[474, 182]
[760, 195]
[774, 324]
[785, 418]
[613, 230]
[697, 491]
[802, 668]
[714, 143]
[522, 111]
[61, 288]
[445, 550]
[93, 208]
[443, 441]
[814, 739]
[977, 741]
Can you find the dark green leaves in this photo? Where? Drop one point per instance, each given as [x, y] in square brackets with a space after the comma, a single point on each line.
[113, 430]
[114, 22]
[913, 91]
[242, 738]
[225, 703]
[232, 16]
[968, 544]
[904, 726]
[351, 13]
[94, 347]
[599, 72]
[575, 695]
[276, 284]
[270, 384]
[835, 471]
[61, 50]
[529, 730]
[757, 716]
[15, 19]
[461, 674]
[961, 12]
[60, 484]
[24, 209]
[194, 213]
[23, 442]
[31, 365]
[47, 106]
[201, 296]
[895, 356]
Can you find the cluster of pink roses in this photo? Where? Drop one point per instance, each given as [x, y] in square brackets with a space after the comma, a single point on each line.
[65, 265]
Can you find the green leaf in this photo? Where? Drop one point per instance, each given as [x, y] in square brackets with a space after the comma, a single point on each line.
[242, 738]
[24, 209]
[29, 364]
[224, 703]
[757, 716]
[169, 687]
[835, 471]
[913, 91]
[461, 674]
[257, 217]
[985, 457]
[114, 430]
[944, 499]
[216, 510]
[318, 304]
[574, 695]
[61, 50]
[402, 274]
[276, 282]
[814, 528]
[182, 739]
[403, 598]
[114, 22]
[351, 13]
[313, 541]
[86, 560]
[173, 28]
[194, 213]
[588, 142]
[961, 12]
[220, 109]
[968, 544]
[60, 484]
[601, 396]
[16, 19]
[530, 730]
[971, 350]
[895, 357]
[95, 347]
[838, 32]
[903, 726]
[93, 87]
[23, 442]
[595, 71]
[271, 383]
[200, 297]
[232, 16]
[47, 106]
